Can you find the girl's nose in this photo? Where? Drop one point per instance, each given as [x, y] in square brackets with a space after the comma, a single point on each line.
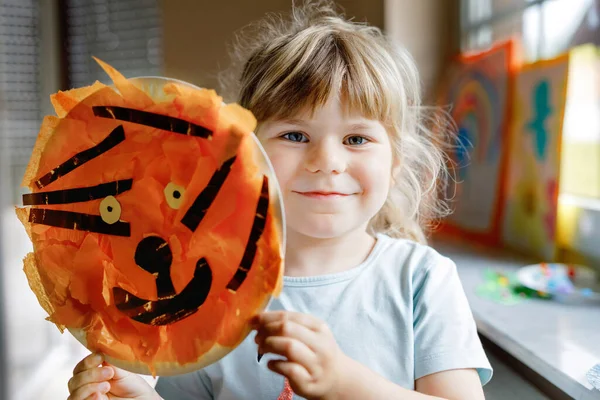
[327, 156]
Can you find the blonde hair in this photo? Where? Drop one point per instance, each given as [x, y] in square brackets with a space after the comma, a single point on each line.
[290, 65]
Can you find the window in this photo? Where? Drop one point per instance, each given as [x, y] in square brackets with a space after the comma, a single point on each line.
[124, 33]
[20, 112]
[547, 28]
[22, 346]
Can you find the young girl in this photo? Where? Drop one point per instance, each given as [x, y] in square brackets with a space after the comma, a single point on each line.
[367, 312]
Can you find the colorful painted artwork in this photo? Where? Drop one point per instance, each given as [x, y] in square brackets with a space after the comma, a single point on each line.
[579, 226]
[534, 167]
[477, 90]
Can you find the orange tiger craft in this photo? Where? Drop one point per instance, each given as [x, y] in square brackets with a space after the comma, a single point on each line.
[156, 222]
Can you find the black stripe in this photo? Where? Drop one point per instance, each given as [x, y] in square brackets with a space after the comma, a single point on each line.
[158, 121]
[113, 139]
[77, 221]
[258, 227]
[79, 194]
[196, 212]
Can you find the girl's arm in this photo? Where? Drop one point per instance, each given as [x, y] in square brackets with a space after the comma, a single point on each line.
[452, 384]
[362, 383]
[317, 369]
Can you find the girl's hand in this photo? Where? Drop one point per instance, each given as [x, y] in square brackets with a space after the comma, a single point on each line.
[314, 363]
[92, 381]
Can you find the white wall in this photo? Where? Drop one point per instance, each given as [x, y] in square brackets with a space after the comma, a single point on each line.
[428, 29]
[196, 32]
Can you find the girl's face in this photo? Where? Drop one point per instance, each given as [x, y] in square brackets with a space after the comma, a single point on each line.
[334, 169]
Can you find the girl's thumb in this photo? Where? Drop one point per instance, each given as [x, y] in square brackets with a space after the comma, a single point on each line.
[119, 373]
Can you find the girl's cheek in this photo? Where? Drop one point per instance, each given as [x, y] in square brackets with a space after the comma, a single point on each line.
[281, 168]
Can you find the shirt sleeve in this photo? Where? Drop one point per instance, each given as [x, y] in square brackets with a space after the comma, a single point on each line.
[445, 333]
[193, 386]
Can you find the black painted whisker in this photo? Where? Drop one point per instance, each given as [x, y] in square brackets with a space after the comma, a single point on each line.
[114, 138]
[77, 195]
[78, 221]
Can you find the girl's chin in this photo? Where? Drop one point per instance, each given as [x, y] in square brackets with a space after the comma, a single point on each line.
[324, 226]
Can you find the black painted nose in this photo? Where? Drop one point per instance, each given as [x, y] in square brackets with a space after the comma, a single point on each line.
[154, 255]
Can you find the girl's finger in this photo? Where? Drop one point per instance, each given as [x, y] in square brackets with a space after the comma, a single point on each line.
[312, 323]
[88, 390]
[97, 396]
[93, 375]
[91, 361]
[290, 329]
[296, 374]
[118, 372]
[294, 351]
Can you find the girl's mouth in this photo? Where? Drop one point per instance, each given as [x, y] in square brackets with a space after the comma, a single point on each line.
[323, 195]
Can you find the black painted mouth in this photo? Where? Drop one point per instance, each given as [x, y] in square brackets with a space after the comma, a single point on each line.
[154, 255]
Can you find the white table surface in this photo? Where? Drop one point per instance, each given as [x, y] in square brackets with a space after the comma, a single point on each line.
[560, 342]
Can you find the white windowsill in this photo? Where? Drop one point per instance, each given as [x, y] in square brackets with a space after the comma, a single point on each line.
[557, 341]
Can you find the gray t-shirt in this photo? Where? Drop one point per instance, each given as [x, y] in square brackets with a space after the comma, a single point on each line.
[402, 313]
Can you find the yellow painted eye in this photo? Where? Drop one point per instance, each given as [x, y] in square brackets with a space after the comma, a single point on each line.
[110, 210]
[174, 195]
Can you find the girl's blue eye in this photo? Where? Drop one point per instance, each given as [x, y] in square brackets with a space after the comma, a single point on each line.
[295, 137]
[356, 140]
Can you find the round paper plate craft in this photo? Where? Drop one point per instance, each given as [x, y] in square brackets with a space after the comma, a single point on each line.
[156, 222]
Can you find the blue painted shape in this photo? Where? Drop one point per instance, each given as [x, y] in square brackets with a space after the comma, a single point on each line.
[542, 111]
[462, 151]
